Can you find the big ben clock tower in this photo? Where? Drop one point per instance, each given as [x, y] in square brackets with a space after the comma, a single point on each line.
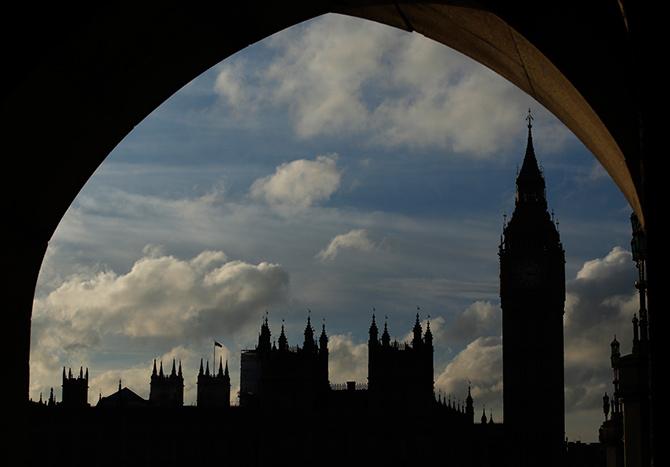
[532, 296]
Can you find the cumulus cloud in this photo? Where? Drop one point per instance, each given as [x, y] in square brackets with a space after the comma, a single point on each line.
[161, 299]
[164, 296]
[348, 361]
[353, 240]
[340, 74]
[300, 183]
[480, 363]
[601, 302]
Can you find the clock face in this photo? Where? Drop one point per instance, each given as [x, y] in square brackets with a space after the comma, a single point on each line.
[528, 274]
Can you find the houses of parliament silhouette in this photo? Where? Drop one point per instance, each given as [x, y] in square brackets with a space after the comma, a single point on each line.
[290, 414]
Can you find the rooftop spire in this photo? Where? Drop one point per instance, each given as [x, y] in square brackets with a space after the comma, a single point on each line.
[530, 187]
[323, 339]
[202, 369]
[416, 342]
[154, 372]
[225, 371]
[220, 372]
[428, 336]
[373, 329]
[283, 342]
[309, 343]
[386, 338]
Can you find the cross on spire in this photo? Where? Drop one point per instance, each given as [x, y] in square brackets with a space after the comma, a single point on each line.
[529, 119]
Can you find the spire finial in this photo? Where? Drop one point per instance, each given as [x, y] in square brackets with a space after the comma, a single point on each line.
[530, 119]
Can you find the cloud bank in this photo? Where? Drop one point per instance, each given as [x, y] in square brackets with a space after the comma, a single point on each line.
[339, 75]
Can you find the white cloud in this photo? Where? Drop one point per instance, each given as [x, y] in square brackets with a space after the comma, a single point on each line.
[339, 74]
[618, 260]
[480, 363]
[164, 296]
[300, 183]
[353, 240]
[348, 361]
[160, 302]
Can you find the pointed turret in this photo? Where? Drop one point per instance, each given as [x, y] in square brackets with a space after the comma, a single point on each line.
[283, 342]
[64, 377]
[81, 372]
[86, 374]
[309, 344]
[264, 336]
[416, 341]
[530, 186]
[52, 401]
[225, 371]
[179, 373]
[483, 419]
[428, 336]
[386, 338]
[469, 407]
[207, 369]
[154, 372]
[219, 374]
[491, 417]
[202, 369]
[119, 385]
[69, 373]
[160, 372]
[173, 373]
[374, 332]
[323, 339]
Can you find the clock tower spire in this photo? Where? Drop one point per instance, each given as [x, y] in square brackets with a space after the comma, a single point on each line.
[532, 297]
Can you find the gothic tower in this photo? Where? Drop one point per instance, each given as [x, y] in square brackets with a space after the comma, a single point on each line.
[213, 389]
[167, 391]
[75, 389]
[532, 295]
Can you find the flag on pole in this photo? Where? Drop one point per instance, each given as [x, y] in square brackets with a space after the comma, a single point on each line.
[216, 344]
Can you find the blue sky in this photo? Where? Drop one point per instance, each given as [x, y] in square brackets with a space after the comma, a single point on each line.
[338, 166]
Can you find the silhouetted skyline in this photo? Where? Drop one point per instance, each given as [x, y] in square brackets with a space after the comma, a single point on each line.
[387, 222]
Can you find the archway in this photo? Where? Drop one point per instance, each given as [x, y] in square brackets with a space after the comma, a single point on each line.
[101, 79]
